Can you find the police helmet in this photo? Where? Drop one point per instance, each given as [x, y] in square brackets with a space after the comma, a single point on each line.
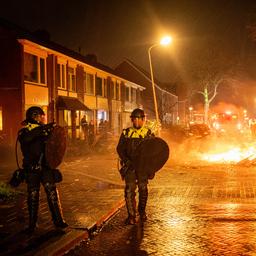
[137, 112]
[32, 112]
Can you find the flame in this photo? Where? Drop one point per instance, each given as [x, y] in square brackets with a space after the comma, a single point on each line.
[234, 155]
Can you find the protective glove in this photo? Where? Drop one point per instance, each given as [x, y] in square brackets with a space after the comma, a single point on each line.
[126, 165]
[47, 128]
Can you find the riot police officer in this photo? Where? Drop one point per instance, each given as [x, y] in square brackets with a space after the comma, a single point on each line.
[32, 138]
[126, 149]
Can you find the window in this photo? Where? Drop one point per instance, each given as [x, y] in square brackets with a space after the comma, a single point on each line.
[105, 88]
[84, 82]
[99, 91]
[1, 119]
[72, 79]
[112, 89]
[34, 68]
[61, 76]
[127, 93]
[89, 87]
[117, 91]
[138, 96]
[42, 71]
[133, 95]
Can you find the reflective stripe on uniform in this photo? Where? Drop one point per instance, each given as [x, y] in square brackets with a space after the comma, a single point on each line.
[30, 126]
[136, 133]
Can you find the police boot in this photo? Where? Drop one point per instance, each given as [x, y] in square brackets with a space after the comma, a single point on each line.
[33, 204]
[131, 209]
[143, 197]
[130, 205]
[55, 206]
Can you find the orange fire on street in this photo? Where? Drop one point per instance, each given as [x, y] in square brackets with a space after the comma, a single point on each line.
[234, 155]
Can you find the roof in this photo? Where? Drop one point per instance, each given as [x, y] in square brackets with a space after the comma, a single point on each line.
[44, 40]
[143, 71]
[145, 74]
[68, 103]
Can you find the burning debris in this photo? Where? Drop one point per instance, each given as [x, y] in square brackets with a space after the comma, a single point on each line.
[248, 161]
[214, 149]
[235, 156]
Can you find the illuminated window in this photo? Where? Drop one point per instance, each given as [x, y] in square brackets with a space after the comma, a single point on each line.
[65, 121]
[67, 118]
[1, 119]
[34, 68]
[72, 79]
[127, 93]
[99, 91]
[61, 76]
[133, 95]
[115, 88]
[88, 83]
[112, 89]
[138, 96]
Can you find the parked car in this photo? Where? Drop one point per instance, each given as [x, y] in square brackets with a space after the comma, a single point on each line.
[199, 130]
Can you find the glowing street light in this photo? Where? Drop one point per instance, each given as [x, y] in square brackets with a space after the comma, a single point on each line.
[164, 41]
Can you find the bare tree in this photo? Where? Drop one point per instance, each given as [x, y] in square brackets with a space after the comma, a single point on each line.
[208, 69]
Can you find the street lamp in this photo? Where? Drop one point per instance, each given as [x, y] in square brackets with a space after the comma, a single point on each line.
[190, 114]
[164, 41]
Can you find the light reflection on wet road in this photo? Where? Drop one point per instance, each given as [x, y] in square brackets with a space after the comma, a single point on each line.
[206, 210]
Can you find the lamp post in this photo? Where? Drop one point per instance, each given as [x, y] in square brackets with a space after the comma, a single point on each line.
[164, 41]
[190, 114]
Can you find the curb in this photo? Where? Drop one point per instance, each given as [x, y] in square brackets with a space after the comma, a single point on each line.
[77, 240]
[112, 212]
[74, 237]
[64, 244]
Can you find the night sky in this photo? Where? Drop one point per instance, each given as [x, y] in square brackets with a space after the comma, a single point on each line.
[114, 30]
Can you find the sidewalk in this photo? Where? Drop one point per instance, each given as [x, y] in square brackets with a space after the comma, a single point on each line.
[90, 193]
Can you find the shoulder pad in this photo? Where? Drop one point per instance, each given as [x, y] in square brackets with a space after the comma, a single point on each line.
[30, 126]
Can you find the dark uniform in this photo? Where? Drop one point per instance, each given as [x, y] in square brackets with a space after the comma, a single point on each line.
[85, 128]
[91, 135]
[32, 139]
[129, 141]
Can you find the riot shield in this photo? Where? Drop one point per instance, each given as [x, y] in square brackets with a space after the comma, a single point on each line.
[151, 156]
[55, 147]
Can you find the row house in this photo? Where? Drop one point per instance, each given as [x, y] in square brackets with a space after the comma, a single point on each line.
[168, 104]
[37, 72]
